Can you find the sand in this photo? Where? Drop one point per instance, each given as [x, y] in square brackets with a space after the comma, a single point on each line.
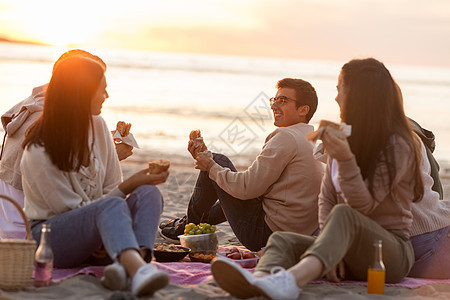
[176, 192]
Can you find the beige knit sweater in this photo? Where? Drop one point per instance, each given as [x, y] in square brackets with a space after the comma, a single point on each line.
[285, 176]
[391, 208]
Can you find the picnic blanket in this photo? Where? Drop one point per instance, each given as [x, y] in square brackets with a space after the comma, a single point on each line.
[192, 273]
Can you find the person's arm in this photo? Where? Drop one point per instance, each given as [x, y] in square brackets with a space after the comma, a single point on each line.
[107, 155]
[264, 171]
[113, 184]
[356, 190]
[327, 196]
[351, 182]
[141, 178]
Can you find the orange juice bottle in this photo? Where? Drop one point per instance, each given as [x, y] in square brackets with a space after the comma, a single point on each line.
[376, 272]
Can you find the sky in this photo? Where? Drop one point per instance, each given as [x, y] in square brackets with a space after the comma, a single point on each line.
[395, 31]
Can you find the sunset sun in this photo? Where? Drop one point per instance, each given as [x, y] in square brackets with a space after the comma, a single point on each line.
[60, 27]
[62, 31]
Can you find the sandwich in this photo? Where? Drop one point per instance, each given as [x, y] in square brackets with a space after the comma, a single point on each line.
[158, 166]
[123, 128]
[317, 134]
[197, 139]
[195, 134]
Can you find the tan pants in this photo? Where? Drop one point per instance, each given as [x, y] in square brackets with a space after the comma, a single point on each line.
[346, 235]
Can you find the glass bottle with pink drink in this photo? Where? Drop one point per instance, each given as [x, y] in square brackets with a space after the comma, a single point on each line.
[43, 266]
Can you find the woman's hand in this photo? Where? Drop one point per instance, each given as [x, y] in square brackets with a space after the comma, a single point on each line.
[140, 178]
[337, 273]
[123, 150]
[336, 144]
[204, 161]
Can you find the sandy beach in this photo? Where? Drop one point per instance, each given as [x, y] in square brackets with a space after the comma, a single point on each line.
[176, 192]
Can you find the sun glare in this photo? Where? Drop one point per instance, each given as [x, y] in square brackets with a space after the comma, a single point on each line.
[63, 32]
[62, 23]
[46, 21]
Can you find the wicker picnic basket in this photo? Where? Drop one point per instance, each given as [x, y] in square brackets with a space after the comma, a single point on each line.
[16, 257]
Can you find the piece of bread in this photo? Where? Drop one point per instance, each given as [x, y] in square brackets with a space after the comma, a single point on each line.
[195, 134]
[317, 134]
[158, 166]
[196, 137]
[123, 128]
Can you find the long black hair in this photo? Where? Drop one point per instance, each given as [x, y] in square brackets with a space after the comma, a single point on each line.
[63, 128]
[374, 108]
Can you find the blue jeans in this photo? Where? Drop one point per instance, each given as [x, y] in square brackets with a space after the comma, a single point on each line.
[246, 217]
[432, 254]
[116, 223]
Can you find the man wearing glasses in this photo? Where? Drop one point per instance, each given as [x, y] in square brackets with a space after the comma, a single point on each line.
[278, 192]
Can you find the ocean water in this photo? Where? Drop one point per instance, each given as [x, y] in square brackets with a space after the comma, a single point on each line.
[165, 95]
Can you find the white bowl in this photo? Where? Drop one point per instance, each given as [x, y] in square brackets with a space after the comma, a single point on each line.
[200, 243]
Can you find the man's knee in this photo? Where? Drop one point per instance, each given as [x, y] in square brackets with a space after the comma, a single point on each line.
[223, 161]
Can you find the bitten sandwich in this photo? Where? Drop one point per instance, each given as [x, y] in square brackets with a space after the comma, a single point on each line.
[123, 128]
[317, 134]
[196, 137]
[158, 166]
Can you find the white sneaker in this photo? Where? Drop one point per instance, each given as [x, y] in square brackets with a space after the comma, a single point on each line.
[233, 278]
[147, 280]
[114, 277]
[279, 285]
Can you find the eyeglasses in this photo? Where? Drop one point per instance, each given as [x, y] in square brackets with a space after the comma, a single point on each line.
[280, 100]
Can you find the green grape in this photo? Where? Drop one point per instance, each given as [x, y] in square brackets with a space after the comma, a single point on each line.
[202, 228]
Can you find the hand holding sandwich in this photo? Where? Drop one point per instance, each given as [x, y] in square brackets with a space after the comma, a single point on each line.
[204, 161]
[123, 150]
[155, 174]
[334, 138]
[196, 143]
[336, 144]
[141, 178]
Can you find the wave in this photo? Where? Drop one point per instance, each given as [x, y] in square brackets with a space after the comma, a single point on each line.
[207, 63]
[180, 112]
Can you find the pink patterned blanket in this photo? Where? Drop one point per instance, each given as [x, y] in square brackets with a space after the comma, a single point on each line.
[189, 273]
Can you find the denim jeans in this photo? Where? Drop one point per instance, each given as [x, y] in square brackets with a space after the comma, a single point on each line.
[117, 223]
[246, 217]
[432, 254]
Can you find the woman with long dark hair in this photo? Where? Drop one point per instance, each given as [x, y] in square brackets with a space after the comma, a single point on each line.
[371, 180]
[72, 181]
